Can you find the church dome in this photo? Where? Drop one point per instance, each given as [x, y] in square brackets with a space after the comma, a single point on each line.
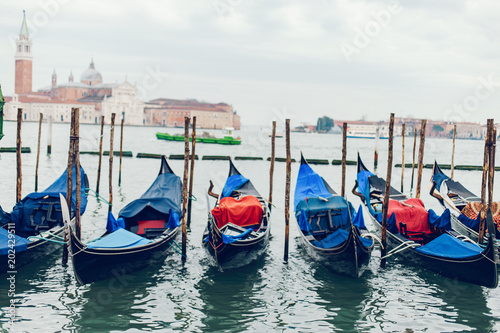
[91, 76]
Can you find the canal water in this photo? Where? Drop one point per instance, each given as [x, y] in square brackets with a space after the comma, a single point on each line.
[267, 296]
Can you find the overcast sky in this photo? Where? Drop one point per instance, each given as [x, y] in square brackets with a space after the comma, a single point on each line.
[276, 59]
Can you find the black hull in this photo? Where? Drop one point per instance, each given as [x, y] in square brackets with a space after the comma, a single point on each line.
[350, 258]
[480, 269]
[92, 265]
[37, 250]
[237, 254]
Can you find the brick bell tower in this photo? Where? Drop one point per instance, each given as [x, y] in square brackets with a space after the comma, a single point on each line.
[24, 60]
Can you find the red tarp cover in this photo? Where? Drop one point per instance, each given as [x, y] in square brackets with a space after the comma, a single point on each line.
[416, 218]
[244, 212]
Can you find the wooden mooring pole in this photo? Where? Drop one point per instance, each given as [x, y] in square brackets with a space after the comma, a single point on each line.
[49, 135]
[486, 179]
[111, 139]
[383, 248]
[100, 156]
[191, 172]
[420, 158]
[19, 178]
[78, 176]
[185, 187]
[121, 154]
[375, 155]
[38, 151]
[453, 151]
[413, 161]
[273, 158]
[69, 179]
[344, 156]
[287, 188]
[403, 130]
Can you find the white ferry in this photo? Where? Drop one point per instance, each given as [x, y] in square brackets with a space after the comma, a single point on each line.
[363, 131]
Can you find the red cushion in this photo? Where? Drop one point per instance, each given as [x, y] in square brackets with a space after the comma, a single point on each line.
[150, 224]
[416, 218]
[244, 212]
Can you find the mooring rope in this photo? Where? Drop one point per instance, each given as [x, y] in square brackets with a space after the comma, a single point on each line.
[177, 249]
[98, 196]
[47, 239]
[374, 237]
[401, 247]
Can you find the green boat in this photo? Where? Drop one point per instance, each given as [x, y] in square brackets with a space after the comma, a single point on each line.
[228, 138]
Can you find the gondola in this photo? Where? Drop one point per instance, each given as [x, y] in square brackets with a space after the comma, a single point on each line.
[426, 239]
[141, 235]
[34, 229]
[331, 231]
[237, 231]
[454, 196]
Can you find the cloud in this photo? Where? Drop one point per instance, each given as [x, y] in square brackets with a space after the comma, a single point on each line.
[261, 56]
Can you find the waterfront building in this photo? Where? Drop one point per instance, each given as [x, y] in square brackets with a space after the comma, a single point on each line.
[95, 98]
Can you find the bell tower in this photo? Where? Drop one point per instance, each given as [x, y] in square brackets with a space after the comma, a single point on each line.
[24, 60]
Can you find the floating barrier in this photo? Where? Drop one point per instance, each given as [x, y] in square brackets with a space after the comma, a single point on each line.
[180, 157]
[147, 155]
[24, 150]
[248, 158]
[280, 159]
[90, 153]
[215, 158]
[318, 161]
[125, 153]
[339, 162]
[448, 167]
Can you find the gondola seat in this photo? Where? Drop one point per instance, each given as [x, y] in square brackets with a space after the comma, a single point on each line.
[149, 228]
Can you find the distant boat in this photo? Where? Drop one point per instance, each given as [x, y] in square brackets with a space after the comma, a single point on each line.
[366, 132]
[205, 137]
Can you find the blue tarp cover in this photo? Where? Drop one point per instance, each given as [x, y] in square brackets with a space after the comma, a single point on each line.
[163, 195]
[21, 244]
[334, 239]
[309, 185]
[231, 239]
[471, 223]
[439, 179]
[358, 219]
[363, 183]
[173, 220]
[311, 206]
[443, 221]
[233, 183]
[446, 246]
[27, 213]
[118, 239]
[114, 224]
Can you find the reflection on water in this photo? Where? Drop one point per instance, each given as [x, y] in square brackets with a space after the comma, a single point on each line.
[266, 296]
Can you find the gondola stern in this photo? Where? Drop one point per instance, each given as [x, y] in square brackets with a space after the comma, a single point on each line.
[164, 168]
[361, 166]
[232, 169]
